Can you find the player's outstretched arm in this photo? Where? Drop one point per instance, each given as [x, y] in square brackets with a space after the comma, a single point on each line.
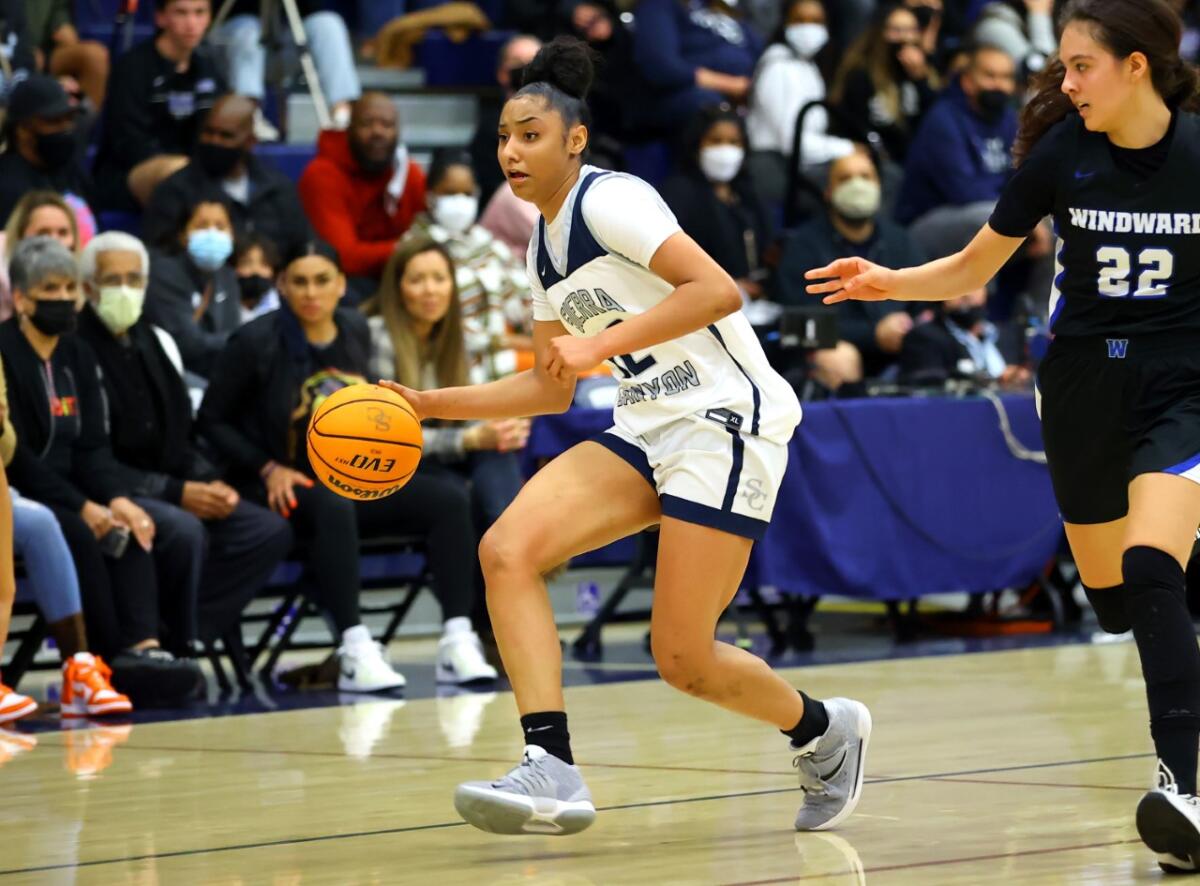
[528, 393]
[949, 277]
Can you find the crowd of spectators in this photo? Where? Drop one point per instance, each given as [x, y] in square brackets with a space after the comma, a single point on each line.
[158, 386]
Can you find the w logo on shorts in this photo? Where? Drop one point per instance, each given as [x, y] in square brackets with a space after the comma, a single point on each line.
[1117, 348]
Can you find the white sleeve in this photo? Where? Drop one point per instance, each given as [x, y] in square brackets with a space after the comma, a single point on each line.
[628, 217]
[542, 309]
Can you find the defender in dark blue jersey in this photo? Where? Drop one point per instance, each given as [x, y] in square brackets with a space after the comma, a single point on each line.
[1109, 147]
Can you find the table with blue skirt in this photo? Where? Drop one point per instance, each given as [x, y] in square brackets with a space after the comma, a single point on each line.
[893, 498]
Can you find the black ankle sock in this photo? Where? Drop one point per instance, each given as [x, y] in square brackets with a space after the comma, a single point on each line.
[813, 722]
[1166, 643]
[548, 730]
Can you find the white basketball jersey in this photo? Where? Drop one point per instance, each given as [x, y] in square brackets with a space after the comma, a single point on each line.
[589, 270]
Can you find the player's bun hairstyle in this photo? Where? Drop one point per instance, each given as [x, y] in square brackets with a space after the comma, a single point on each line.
[1123, 27]
[562, 73]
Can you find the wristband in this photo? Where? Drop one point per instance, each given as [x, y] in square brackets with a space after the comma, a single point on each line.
[268, 468]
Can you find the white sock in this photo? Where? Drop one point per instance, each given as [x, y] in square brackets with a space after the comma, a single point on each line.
[356, 637]
[460, 624]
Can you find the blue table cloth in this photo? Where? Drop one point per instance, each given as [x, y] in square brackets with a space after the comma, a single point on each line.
[891, 499]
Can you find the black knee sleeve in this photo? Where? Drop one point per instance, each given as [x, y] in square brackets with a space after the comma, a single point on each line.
[1110, 607]
[1166, 639]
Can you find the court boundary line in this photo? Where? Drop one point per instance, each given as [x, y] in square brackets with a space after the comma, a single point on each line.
[679, 801]
[937, 862]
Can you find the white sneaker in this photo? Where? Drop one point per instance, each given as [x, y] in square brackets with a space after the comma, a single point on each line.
[460, 659]
[363, 668]
[264, 129]
[1169, 824]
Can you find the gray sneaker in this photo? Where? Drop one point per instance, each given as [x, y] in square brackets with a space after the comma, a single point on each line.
[541, 795]
[831, 766]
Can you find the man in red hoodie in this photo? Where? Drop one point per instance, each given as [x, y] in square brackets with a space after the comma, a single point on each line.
[361, 191]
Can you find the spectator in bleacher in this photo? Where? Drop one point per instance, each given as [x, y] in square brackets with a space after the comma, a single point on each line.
[37, 214]
[16, 50]
[885, 81]
[328, 41]
[1022, 28]
[159, 94]
[273, 373]
[362, 191]
[791, 73]
[61, 53]
[257, 263]
[227, 547]
[193, 292]
[871, 333]
[598, 23]
[491, 281]
[54, 584]
[714, 197]
[960, 343]
[693, 54]
[418, 335]
[64, 461]
[514, 55]
[510, 219]
[261, 198]
[961, 155]
[41, 151]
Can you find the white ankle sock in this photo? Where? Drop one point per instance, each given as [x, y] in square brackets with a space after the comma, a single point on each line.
[460, 624]
[356, 637]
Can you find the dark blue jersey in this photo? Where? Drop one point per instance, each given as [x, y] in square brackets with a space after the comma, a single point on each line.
[1127, 260]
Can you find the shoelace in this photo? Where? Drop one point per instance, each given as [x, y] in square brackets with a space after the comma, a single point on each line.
[810, 780]
[528, 776]
[97, 676]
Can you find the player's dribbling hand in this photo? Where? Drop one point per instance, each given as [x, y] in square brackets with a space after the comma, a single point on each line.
[567, 356]
[852, 279]
[418, 400]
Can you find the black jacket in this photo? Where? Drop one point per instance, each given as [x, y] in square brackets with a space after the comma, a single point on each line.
[149, 412]
[931, 354]
[175, 288]
[255, 396]
[42, 468]
[151, 109]
[274, 209]
[720, 229]
[815, 244]
[18, 177]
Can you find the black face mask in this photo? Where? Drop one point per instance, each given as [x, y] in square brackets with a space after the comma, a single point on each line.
[992, 103]
[897, 66]
[56, 149]
[218, 160]
[54, 316]
[253, 289]
[516, 78]
[967, 318]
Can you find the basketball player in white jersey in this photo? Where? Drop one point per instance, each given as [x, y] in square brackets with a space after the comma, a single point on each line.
[698, 447]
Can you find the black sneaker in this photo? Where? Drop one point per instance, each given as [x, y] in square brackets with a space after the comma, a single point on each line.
[154, 678]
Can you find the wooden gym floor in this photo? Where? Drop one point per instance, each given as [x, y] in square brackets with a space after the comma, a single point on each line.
[1008, 767]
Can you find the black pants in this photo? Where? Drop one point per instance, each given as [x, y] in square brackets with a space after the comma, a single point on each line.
[210, 570]
[433, 504]
[120, 597]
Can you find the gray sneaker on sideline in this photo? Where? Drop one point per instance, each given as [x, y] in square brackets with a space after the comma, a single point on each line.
[541, 795]
[831, 766]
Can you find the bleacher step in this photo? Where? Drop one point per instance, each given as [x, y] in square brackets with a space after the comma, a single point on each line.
[426, 121]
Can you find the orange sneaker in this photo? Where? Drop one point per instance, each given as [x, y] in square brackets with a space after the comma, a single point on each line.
[13, 705]
[87, 691]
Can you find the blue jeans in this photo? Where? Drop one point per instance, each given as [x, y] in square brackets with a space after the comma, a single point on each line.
[328, 41]
[39, 540]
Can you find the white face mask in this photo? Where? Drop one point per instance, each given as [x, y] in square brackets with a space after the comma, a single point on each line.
[720, 163]
[120, 307]
[806, 39]
[455, 212]
[856, 198]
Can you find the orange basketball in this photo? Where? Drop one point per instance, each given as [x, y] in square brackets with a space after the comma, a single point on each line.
[364, 442]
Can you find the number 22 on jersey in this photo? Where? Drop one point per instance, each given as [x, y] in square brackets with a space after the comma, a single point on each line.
[1153, 268]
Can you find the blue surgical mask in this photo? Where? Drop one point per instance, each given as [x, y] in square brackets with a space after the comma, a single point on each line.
[209, 248]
